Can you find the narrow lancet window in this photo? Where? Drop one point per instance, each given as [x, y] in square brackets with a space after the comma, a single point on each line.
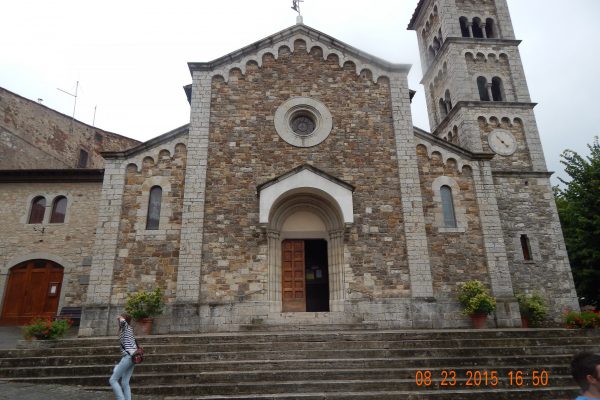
[490, 28]
[448, 207]
[464, 29]
[482, 87]
[525, 246]
[443, 109]
[477, 31]
[152, 221]
[497, 89]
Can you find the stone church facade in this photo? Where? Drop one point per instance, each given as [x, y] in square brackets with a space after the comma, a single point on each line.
[300, 191]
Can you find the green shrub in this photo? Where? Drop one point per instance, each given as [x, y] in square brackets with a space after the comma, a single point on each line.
[533, 307]
[46, 328]
[475, 298]
[584, 319]
[144, 304]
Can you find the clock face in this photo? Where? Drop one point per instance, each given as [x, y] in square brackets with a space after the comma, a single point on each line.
[502, 142]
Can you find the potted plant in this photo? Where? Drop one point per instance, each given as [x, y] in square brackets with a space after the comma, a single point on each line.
[476, 301]
[588, 318]
[143, 306]
[533, 308]
[46, 329]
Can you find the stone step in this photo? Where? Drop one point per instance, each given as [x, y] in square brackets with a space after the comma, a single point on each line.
[421, 360]
[302, 327]
[487, 394]
[351, 364]
[405, 335]
[515, 362]
[322, 386]
[305, 354]
[314, 375]
[309, 345]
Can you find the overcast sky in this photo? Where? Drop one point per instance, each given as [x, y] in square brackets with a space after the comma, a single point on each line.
[130, 57]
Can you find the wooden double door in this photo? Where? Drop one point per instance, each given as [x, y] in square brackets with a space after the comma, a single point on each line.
[33, 289]
[305, 278]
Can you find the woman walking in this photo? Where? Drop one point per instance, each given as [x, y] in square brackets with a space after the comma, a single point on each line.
[124, 369]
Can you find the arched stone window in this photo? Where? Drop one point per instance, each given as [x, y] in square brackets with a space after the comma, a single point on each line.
[497, 89]
[449, 212]
[59, 210]
[477, 32]
[448, 207]
[38, 209]
[464, 28]
[490, 29]
[443, 110]
[436, 45]
[153, 218]
[482, 87]
[448, 100]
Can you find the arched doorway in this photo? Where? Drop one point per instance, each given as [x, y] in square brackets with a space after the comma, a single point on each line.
[306, 253]
[33, 289]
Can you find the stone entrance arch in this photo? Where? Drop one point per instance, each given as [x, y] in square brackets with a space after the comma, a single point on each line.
[285, 223]
[306, 203]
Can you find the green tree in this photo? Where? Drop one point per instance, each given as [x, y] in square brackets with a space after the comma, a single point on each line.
[578, 206]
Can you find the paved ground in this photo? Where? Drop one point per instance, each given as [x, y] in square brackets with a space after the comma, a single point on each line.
[9, 335]
[26, 391]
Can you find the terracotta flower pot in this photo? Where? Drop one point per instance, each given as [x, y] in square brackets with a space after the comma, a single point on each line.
[144, 325]
[478, 320]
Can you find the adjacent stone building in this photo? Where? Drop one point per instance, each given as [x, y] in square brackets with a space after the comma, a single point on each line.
[300, 191]
[50, 182]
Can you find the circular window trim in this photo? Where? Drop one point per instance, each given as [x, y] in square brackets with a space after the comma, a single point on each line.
[303, 105]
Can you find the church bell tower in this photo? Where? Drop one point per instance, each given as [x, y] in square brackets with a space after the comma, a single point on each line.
[477, 98]
[475, 86]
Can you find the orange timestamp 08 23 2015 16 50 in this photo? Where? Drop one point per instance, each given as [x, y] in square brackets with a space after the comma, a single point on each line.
[451, 378]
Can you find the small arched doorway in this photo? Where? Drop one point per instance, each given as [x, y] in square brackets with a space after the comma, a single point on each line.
[306, 254]
[33, 289]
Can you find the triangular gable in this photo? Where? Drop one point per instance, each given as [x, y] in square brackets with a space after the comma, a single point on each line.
[313, 38]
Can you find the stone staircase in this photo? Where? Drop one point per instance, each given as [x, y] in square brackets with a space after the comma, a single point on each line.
[314, 362]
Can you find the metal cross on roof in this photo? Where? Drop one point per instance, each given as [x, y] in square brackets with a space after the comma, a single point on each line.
[296, 5]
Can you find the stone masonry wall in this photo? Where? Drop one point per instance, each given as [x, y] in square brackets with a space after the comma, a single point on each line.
[245, 151]
[457, 255]
[69, 243]
[35, 136]
[147, 259]
[526, 206]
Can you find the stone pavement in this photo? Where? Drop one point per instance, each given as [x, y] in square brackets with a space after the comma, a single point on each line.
[30, 391]
[9, 335]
